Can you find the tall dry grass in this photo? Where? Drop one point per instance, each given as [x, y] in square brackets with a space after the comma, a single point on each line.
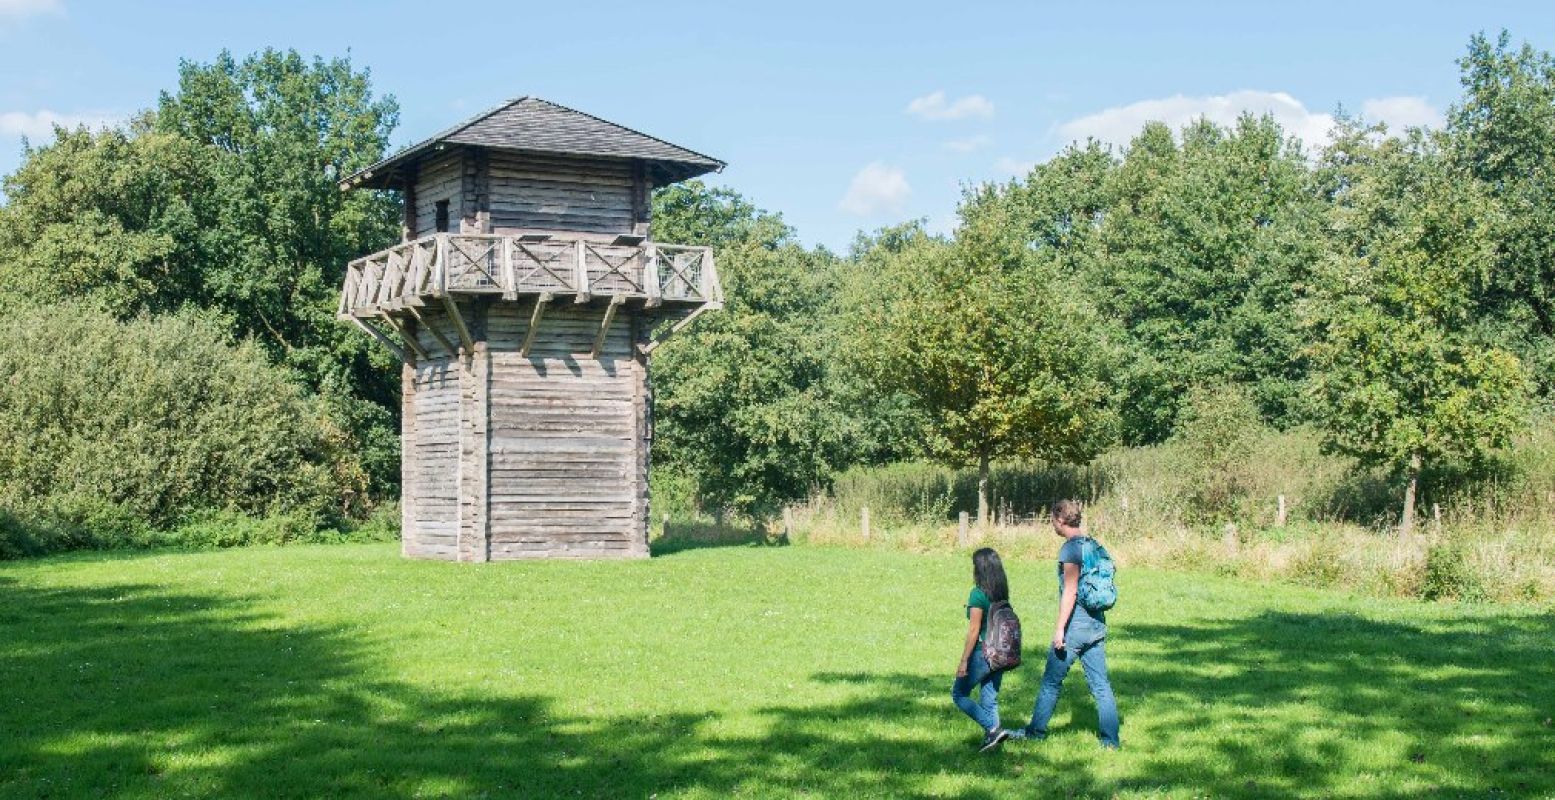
[1494, 539]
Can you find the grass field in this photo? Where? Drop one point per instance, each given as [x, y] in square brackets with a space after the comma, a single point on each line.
[338, 671]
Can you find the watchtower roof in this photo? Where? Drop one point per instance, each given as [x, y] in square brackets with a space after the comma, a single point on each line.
[533, 125]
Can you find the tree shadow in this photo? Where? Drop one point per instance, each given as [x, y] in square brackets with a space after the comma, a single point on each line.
[134, 691]
[1458, 706]
[682, 536]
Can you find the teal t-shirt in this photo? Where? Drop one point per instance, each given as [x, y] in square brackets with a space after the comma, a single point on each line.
[1072, 551]
[978, 600]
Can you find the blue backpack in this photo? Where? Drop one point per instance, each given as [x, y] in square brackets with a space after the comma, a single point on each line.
[1098, 591]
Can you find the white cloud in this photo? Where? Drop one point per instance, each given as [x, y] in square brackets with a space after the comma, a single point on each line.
[970, 144]
[1119, 124]
[19, 9]
[935, 106]
[38, 126]
[876, 188]
[1014, 166]
[1402, 112]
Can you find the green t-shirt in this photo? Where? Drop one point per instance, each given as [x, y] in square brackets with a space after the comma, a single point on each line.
[978, 600]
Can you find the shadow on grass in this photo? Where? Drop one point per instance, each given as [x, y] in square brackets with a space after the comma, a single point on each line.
[683, 536]
[1312, 703]
[131, 691]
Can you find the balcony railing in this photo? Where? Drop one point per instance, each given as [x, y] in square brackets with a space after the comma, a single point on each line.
[452, 264]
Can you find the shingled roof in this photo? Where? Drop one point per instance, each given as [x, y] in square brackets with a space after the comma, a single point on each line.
[532, 125]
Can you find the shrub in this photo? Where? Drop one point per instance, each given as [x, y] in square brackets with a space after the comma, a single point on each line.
[672, 491]
[383, 525]
[1448, 575]
[235, 529]
[109, 430]
[1218, 428]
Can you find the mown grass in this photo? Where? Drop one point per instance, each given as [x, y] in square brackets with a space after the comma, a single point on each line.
[344, 671]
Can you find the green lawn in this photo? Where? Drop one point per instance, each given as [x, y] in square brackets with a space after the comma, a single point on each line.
[328, 671]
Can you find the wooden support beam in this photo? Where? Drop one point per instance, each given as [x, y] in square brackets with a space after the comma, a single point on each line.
[368, 291]
[458, 319]
[676, 328]
[408, 207]
[604, 325]
[348, 292]
[416, 282]
[509, 273]
[382, 339]
[410, 341]
[432, 329]
[651, 285]
[713, 287]
[642, 191]
[534, 323]
[580, 273]
[440, 265]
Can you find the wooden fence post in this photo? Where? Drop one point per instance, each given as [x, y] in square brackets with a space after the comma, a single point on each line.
[864, 521]
[788, 521]
[664, 534]
[1230, 538]
[1436, 517]
[961, 529]
[1279, 516]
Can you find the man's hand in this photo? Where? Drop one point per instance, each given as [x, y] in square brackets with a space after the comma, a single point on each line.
[961, 669]
[1058, 640]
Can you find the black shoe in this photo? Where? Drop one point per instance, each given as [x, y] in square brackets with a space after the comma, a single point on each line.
[993, 739]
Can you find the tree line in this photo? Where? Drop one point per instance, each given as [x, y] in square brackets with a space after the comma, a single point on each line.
[1395, 289]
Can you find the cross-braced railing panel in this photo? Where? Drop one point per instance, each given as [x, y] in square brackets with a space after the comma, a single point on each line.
[614, 269]
[440, 265]
[473, 263]
[544, 266]
[685, 273]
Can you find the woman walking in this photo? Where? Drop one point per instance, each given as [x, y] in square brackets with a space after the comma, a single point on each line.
[989, 587]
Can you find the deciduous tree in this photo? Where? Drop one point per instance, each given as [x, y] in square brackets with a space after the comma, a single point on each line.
[1503, 134]
[1400, 378]
[1001, 356]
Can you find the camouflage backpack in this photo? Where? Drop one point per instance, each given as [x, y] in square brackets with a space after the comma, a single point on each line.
[1001, 640]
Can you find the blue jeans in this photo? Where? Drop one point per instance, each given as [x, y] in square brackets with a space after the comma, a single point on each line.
[1084, 642]
[985, 710]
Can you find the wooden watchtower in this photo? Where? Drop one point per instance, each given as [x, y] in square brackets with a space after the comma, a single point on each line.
[523, 301]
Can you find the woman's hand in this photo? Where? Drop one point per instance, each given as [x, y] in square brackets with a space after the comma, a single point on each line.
[961, 669]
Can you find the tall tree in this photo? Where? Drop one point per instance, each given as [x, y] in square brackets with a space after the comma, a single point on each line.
[1000, 356]
[1201, 252]
[107, 217]
[1503, 133]
[1400, 377]
[748, 400]
[225, 198]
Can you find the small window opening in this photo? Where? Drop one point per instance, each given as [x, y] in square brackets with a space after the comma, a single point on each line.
[442, 216]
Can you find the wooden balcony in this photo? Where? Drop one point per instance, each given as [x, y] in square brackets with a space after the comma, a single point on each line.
[445, 266]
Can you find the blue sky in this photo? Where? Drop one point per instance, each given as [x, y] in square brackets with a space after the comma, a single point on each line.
[842, 116]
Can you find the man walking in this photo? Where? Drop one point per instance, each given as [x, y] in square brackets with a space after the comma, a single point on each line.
[1080, 633]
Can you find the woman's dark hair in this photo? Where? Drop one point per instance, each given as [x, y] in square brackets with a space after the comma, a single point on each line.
[988, 574]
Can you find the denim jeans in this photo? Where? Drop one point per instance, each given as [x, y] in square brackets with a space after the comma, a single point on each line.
[1084, 642]
[985, 710]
